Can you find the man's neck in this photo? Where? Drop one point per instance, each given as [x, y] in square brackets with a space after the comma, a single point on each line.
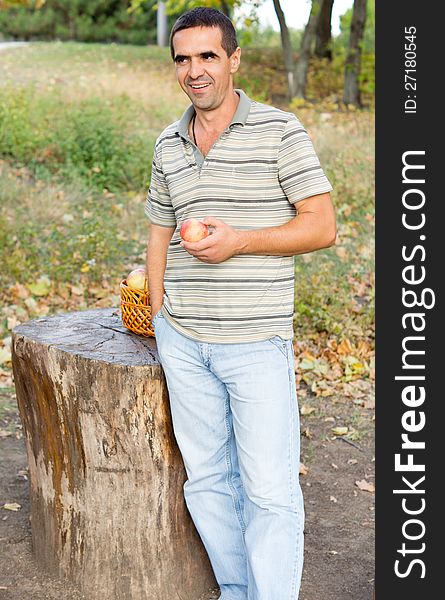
[214, 121]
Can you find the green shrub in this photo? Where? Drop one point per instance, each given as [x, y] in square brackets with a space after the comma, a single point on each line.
[87, 142]
[87, 21]
[23, 130]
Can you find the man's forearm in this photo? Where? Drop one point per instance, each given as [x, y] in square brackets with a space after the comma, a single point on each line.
[302, 234]
[157, 248]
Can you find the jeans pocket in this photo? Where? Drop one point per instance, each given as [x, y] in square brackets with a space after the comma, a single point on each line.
[279, 343]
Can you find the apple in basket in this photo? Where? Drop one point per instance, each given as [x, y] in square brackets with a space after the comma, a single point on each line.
[136, 279]
[193, 230]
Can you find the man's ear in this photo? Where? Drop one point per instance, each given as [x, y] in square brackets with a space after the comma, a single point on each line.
[235, 60]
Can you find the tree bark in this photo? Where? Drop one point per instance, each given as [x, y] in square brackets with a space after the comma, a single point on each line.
[106, 475]
[305, 50]
[351, 93]
[323, 34]
[161, 25]
[297, 72]
[289, 63]
[226, 9]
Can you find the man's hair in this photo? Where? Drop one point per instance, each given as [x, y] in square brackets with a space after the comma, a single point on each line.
[207, 17]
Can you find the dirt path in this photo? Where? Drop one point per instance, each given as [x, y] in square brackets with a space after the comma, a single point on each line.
[339, 559]
[9, 45]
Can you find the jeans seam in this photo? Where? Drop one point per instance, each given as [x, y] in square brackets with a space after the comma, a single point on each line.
[233, 492]
[291, 477]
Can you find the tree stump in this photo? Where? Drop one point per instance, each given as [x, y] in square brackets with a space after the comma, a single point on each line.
[106, 475]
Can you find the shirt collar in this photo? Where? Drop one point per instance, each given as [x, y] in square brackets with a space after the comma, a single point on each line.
[240, 115]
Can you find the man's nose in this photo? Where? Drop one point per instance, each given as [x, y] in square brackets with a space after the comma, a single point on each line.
[196, 69]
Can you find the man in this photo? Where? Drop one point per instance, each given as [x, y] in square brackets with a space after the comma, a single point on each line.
[223, 307]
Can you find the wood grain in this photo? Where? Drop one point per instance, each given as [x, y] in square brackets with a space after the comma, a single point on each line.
[106, 475]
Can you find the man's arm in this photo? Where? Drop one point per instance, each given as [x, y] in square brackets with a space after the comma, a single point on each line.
[158, 242]
[311, 229]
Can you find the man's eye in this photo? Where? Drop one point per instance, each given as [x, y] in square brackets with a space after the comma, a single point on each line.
[180, 60]
[209, 56]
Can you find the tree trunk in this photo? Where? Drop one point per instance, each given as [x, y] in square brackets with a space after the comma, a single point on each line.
[106, 475]
[225, 8]
[161, 25]
[351, 93]
[305, 50]
[323, 34]
[288, 58]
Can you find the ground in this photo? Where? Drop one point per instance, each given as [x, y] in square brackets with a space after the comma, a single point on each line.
[339, 547]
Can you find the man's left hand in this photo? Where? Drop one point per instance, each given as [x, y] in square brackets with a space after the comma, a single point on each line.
[223, 243]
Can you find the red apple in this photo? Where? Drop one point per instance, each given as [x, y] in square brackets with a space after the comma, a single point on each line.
[193, 230]
[136, 279]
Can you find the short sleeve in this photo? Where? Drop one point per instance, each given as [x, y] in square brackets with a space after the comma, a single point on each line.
[158, 206]
[299, 170]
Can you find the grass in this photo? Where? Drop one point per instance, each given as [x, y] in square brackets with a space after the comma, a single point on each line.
[77, 127]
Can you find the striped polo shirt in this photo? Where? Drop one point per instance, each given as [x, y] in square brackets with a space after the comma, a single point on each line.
[254, 174]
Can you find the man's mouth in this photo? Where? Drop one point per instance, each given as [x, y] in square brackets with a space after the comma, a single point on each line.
[199, 86]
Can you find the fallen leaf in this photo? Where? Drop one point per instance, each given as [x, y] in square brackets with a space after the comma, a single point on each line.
[341, 252]
[332, 344]
[339, 430]
[364, 349]
[77, 290]
[365, 486]
[5, 379]
[41, 287]
[303, 469]
[369, 403]
[12, 322]
[22, 474]
[322, 388]
[307, 410]
[306, 364]
[4, 433]
[31, 304]
[308, 355]
[98, 292]
[12, 506]
[5, 356]
[18, 290]
[344, 347]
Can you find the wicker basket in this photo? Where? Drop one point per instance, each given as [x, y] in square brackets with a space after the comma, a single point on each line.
[136, 309]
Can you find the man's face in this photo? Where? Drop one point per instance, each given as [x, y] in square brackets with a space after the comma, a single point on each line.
[203, 69]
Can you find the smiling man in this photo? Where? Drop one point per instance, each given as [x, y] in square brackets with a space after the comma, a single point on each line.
[224, 307]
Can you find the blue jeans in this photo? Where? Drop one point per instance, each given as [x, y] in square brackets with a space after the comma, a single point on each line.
[235, 419]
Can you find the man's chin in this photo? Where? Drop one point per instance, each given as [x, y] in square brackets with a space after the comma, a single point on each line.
[201, 103]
